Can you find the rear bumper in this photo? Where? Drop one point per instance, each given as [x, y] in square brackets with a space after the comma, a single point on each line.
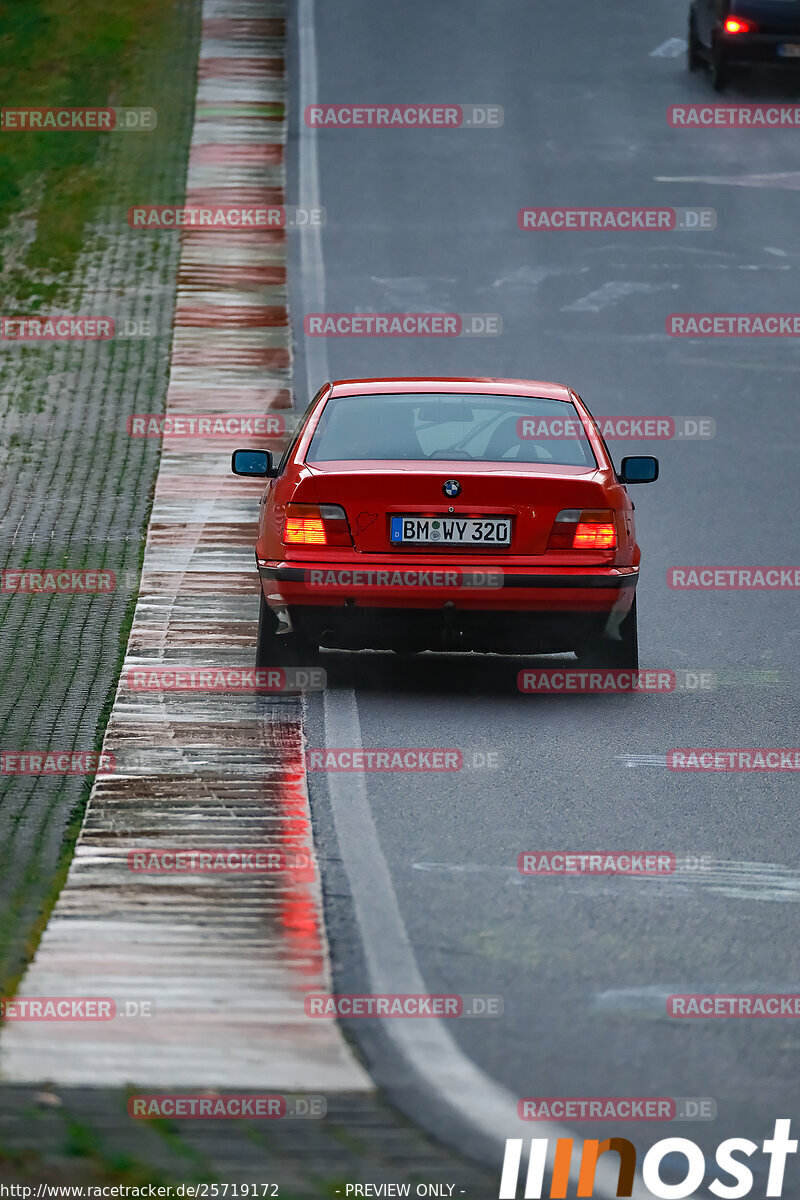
[388, 605]
[755, 49]
[448, 629]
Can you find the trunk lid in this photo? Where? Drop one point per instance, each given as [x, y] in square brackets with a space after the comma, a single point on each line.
[531, 495]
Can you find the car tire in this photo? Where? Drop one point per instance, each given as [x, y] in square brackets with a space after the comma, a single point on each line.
[280, 650]
[615, 655]
[718, 71]
[694, 59]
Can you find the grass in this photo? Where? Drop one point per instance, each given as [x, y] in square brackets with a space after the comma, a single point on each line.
[11, 976]
[63, 53]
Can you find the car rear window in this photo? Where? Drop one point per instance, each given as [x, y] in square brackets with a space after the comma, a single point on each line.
[451, 426]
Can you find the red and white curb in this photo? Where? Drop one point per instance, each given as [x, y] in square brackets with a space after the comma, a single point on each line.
[224, 961]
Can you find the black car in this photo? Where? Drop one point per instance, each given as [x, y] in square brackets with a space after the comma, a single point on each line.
[736, 33]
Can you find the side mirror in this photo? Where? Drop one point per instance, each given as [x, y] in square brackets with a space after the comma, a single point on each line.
[252, 462]
[639, 468]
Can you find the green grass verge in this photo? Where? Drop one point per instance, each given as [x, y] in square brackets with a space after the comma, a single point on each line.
[64, 53]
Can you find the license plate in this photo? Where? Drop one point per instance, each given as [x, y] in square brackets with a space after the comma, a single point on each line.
[451, 531]
[789, 50]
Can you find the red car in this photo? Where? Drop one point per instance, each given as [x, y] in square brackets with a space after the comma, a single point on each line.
[447, 514]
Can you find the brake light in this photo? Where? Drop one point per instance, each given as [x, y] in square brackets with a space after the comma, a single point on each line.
[595, 537]
[736, 25]
[584, 529]
[316, 525]
[304, 531]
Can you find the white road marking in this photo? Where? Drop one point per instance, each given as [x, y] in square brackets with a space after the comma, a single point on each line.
[612, 293]
[672, 48]
[642, 760]
[531, 277]
[652, 1001]
[312, 260]
[776, 179]
[738, 880]
[728, 364]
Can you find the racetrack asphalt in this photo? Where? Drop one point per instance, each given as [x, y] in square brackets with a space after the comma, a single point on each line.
[426, 220]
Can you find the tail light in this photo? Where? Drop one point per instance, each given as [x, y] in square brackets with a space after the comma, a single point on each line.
[316, 525]
[737, 25]
[584, 529]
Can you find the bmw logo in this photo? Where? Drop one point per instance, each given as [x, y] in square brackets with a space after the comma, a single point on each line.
[451, 488]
